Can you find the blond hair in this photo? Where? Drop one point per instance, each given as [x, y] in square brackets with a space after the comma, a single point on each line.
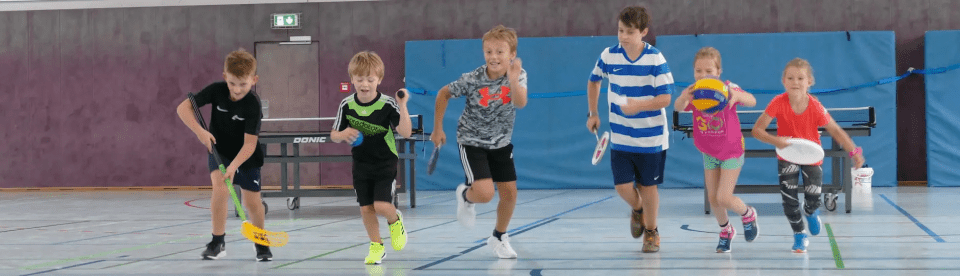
[708, 53]
[240, 64]
[366, 63]
[802, 64]
[504, 34]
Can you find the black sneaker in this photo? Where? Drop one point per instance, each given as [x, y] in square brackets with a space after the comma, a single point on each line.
[215, 250]
[263, 253]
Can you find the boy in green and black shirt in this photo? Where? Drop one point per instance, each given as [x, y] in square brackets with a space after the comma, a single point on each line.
[374, 115]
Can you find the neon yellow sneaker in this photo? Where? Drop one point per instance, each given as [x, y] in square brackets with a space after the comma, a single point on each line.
[376, 254]
[398, 235]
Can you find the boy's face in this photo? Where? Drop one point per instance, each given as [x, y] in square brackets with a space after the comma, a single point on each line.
[365, 84]
[705, 67]
[239, 87]
[498, 56]
[630, 36]
[796, 79]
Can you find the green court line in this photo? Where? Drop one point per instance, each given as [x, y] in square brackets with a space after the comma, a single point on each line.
[91, 256]
[321, 255]
[388, 237]
[97, 255]
[836, 249]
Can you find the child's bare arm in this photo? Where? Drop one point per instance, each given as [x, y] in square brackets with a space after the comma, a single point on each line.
[684, 99]
[404, 128]
[593, 96]
[440, 108]
[519, 93]
[634, 106]
[760, 132]
[839, 135]
[185, 112]
[744, 98]
[349, 135]
[249, 145]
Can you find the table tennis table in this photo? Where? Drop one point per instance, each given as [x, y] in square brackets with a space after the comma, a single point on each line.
[290, 154]
[856, 121]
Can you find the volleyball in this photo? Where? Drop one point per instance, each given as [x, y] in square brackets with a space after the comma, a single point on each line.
[710, 95]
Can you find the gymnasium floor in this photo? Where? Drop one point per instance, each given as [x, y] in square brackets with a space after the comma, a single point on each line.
[892, 231]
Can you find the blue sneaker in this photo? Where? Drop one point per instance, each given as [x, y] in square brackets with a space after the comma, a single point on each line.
[800, 243]
[750, 228]
[814, 222]
[726, 236]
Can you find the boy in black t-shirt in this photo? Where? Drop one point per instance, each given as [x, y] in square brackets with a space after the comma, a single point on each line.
[234, 129]
[374, 115]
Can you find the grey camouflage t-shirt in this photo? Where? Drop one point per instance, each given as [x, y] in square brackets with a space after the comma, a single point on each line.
[488, 117]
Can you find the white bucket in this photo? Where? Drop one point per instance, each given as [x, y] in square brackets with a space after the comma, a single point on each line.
[862, 184]
[863, 178]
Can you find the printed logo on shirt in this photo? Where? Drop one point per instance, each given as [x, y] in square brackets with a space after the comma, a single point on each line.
[712, 124]
[504, 96]
[237, 118]
[366, 127]
[221, 109]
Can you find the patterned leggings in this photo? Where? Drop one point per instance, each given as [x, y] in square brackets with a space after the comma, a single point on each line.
[789, 180]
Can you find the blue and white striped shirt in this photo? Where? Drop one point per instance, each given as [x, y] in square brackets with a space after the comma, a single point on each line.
[644, 78]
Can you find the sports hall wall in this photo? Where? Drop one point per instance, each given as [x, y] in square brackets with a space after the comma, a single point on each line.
[552, 143]
[88, 96]
[943, 154]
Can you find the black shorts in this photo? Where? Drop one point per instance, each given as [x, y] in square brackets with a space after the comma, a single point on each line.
[481, 163]
[374, 182]
[248, 179]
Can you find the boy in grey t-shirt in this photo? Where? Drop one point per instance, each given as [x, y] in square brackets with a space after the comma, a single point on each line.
[493, 94]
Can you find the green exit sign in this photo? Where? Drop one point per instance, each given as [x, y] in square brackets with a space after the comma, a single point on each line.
[285, 21]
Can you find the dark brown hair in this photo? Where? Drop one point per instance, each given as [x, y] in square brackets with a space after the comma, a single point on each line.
[635, 17]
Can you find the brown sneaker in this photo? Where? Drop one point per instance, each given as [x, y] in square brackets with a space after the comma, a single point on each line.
[651, 241]
[636, 224]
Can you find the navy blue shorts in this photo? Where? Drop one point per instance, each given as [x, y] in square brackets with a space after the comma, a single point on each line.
[248, 179]
[643, 168]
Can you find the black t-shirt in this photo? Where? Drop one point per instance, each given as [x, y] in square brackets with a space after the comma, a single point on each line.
[376, 120]
[230, 120]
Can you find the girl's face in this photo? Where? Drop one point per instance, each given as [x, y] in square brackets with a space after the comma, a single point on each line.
[796, 80]
[705, 67]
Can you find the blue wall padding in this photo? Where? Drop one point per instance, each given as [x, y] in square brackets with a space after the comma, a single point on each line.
[943, 125]
[552, 145]
[756, 61]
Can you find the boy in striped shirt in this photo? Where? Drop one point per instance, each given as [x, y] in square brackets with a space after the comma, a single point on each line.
[640, 89]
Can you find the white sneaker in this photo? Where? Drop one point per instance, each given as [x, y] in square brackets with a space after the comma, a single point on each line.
[502, 247]
[466, 214]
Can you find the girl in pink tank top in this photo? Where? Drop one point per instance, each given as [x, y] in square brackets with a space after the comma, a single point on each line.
[719, 139]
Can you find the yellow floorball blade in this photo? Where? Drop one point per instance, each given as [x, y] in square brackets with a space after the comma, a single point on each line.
[263, 237]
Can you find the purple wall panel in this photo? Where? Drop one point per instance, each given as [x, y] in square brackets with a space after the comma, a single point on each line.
[41, 78]
[91, 109]
[90, 94]
[19, 104]
[336, 33]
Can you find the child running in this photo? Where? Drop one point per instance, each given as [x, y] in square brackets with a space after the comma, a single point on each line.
[719, 139]
[640, 88]
[800, 115]
[373, 115]
[494, 92]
